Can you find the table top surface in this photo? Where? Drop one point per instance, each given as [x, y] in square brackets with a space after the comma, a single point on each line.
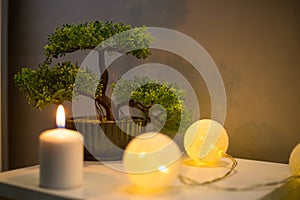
[103, 181]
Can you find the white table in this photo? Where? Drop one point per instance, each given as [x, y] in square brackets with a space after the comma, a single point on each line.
[103, 182]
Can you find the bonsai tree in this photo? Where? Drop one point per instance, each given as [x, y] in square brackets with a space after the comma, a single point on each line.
[56, 84]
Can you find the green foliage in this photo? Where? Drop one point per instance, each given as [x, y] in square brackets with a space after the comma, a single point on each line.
[144, 93]
[70, 38]
[149, 92]
[54, 85]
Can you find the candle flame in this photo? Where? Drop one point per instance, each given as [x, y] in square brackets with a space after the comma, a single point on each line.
[60, 117]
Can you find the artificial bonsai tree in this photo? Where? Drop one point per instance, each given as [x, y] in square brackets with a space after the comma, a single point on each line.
[55, 84]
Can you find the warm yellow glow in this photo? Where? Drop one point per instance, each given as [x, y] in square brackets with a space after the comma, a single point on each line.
[294, 160]
[151, 161]
[60, 117]
[205, 142]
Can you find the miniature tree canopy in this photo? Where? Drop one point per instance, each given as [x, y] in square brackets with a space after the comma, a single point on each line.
[55, 84]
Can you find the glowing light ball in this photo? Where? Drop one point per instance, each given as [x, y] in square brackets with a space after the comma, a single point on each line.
[152, 161]
[206, 141]
[294, 160]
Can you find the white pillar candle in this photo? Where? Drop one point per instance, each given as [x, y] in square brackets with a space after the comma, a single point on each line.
[61, 156]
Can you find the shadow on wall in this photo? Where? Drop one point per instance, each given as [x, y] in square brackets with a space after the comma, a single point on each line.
[255, 138]
[155, 13]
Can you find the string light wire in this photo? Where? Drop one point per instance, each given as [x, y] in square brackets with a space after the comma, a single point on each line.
[191, 182]
[259, 185]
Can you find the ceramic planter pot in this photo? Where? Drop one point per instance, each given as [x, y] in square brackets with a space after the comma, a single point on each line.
[105, 141]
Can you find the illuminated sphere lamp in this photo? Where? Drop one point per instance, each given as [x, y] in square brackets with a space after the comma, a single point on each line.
[206, 142]
[151, 161]
[294, 161]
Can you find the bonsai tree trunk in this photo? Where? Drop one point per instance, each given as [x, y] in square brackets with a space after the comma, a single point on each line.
[103, 101]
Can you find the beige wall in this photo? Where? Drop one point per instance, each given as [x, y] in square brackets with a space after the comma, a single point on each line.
[255, 45]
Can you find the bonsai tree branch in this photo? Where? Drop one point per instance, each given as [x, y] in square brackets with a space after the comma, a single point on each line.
[103, 100]
[138, 105]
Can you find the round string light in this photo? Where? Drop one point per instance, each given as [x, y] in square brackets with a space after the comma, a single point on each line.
[151, 161]
[205, 142]
[294, 161]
